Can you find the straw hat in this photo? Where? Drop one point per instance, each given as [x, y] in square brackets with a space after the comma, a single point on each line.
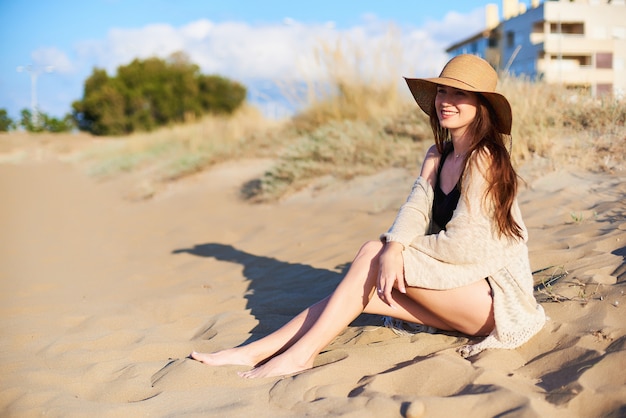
[470, 73]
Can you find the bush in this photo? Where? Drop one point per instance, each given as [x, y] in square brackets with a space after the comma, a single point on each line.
[44, 123]
[151, 93]
[6, 123]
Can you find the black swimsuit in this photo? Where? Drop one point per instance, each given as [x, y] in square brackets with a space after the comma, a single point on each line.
[444, 204]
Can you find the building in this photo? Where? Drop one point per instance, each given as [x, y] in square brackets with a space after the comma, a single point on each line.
[578, 43]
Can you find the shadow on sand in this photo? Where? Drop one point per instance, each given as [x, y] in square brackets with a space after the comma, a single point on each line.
[278, 290]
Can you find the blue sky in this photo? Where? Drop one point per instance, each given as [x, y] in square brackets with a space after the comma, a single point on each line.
[252, 41]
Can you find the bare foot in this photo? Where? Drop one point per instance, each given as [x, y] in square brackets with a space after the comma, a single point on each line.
[232, 356]
[278, 366]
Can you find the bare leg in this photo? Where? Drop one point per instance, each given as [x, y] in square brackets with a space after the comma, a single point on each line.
[257, 351]
[467, 309]
[277, 342]
[347, 301]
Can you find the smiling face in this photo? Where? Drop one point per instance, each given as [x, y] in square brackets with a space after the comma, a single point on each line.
[456, 109]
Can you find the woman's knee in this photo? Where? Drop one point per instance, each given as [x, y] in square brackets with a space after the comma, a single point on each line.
[365, 264]
[371, 248]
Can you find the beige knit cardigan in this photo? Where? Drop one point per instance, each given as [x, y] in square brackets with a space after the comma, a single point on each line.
[470, 249]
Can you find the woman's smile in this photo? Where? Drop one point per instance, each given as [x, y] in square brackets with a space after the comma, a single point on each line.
[446, 113]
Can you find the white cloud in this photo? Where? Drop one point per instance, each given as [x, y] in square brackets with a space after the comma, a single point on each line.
[197, 30]
[456, 26]
[52, 57]
[281, 51]
[124, 45]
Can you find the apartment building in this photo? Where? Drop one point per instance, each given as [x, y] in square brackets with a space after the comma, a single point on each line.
[578, 43]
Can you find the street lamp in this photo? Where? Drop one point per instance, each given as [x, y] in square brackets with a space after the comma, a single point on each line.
[34, 74]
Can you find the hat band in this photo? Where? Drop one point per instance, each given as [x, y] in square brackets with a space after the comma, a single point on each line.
[460, 81]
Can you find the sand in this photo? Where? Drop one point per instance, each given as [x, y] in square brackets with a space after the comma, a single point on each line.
[103, 298]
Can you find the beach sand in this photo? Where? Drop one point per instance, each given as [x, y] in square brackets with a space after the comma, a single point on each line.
[103, 298]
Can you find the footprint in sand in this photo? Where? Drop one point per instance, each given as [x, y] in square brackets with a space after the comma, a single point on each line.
[206, 333]
[164, 370]
[329, 357]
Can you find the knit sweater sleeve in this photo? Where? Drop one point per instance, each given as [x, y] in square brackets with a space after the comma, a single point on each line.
[413, 218]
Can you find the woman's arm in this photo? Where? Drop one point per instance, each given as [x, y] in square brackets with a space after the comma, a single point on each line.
[413, 218]
[429, 165]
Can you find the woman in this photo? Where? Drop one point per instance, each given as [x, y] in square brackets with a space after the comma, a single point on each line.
[455, 257]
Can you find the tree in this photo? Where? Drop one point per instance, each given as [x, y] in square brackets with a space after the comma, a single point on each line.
[220, 95]
[28, 122]
[6, 123]
[45, 123]
[55, 125]
[102, 111]
[149, 93]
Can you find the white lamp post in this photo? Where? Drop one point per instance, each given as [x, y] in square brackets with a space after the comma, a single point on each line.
[34, 74]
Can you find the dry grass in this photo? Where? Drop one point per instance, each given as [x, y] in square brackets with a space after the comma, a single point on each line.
[355, 120]
[356, 83]
[174, 152]
[340, 149]
[565, 126]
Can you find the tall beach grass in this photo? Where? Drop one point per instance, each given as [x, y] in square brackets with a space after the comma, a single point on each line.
[180, 150]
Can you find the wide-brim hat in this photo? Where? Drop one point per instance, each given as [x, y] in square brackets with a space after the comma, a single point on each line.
[470, 73]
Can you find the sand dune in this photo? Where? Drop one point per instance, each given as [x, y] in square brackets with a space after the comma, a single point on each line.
[102, 299]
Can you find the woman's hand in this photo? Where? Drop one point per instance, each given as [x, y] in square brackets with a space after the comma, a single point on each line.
[390, 272]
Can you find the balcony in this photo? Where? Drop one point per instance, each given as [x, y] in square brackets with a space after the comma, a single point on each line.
[573, 44]
[570, 71]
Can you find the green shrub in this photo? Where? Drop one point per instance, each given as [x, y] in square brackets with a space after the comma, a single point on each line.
[41, 122]
[147, 94]
[6, 123]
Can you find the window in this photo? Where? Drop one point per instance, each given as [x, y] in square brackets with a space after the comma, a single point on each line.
[510, 39]
[572, 62]
[604, 60]
[604, 89]
[494, 40]
[568, 28]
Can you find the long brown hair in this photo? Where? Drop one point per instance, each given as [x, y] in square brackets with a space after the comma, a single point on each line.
[501, 177]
